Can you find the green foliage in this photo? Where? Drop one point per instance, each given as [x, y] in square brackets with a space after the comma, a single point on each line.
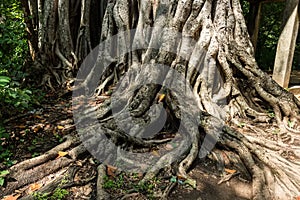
[3, 134]
[12, 95]
[144, 187]
[13, 56]
[271, 113]
[13, 44]
[122, 183]
[269, 32]
[2, 176]
[117, 183]
[245, 7]
[5, 153]
[40, 196]
[58, 194]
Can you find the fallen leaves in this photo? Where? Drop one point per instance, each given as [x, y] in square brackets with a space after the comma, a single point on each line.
[111, 170]
[34, 187]
[62, 154]
[230, 171]
[60, 127]
[11, 197]
[37, 127]
[21, 126]
[161, 97]
[38, 117]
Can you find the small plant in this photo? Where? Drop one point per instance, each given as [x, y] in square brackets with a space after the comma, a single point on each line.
[241, 124]
[3, 134]
[58, 194]
[144, 187]
[123, 183]
[290, 124]
[35, 154]
[40, 196]
[276, 131]
[108, 183]
[117, 183]
[2, 176]
[5, 153]
[59, 138]
[271, 113]
[8, 162]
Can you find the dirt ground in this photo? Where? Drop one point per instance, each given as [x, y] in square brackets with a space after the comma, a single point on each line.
[208, 187]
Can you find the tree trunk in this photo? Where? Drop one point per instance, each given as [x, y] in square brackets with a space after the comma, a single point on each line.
[61, 33]
[183, 67]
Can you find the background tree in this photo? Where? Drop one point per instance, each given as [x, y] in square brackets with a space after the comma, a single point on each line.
[13, 56]
[270, 29]
[63, 32]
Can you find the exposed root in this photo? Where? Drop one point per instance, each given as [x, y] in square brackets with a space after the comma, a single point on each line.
[34, 169]
[51, 154]
[129, 196]
[60, 181]
[222, 82]
[101, 193]
[101, 87]
[284, 171]
[31, 175]
[168, 190]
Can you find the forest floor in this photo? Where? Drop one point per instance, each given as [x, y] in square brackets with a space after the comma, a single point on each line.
[36, 132]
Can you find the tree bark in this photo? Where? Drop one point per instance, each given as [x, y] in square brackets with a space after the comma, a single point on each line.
[61, 33]
[205, 43]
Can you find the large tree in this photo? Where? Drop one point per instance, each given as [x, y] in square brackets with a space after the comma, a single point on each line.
[190, 62]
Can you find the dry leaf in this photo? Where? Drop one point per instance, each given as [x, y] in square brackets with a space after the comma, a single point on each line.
[140, 175]
[230, 171]
[62, 154]
[47, 127]
[79, 163]
[11, 197]
[37, 128]
[111, 170]
[161, 97]
[60, 127]
[21, 126]
[155, 153]
[181, 177]
[225, 158]
[33, 187]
